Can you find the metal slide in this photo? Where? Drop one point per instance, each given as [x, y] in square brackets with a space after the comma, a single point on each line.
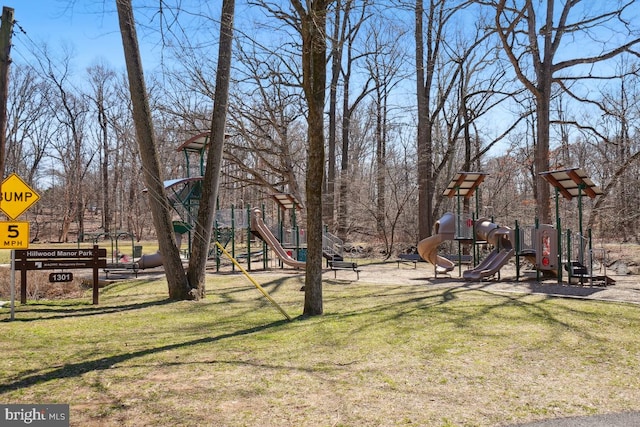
[258, 225]
[502, 239]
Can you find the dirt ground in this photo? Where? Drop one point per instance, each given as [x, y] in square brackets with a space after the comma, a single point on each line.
[625, 289]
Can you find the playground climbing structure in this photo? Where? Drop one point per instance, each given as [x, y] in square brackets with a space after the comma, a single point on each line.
[545, 247]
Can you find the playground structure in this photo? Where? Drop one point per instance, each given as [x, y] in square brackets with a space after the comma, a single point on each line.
[260, 229]
[122, 262]
[428, 248]
[286, 240]
[539, 245]
[501, 239]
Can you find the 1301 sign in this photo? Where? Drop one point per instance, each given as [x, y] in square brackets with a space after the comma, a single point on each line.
[14, 235]
[60, 277]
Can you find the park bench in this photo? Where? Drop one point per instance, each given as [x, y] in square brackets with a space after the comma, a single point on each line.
[414, 258]
[121, 267]
[344, 265]
[254, 254]
[462, 259]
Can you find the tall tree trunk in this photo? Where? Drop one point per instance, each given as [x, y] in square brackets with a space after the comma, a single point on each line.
[106, 184]
[160, 209]
[544, 74]
[314, 68]
[541, 162]
[336, 59]
[381, 158]
[206, 210]
[424, 143]
[343, 198]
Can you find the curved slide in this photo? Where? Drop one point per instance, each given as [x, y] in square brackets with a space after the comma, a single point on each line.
[258, 225]
[156, 259]
[502, 239]
[428, 248]
[150, 261]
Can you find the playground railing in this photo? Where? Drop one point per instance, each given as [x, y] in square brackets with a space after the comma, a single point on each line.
[291, 237]
[526, 239]
[232, 218]
[332, 245]
[579, 248]
[464, 227]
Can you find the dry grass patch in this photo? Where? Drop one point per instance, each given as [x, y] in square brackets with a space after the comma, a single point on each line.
[38, 286]
[382, 355]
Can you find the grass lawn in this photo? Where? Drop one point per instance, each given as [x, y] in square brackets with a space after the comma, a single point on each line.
[382, 355]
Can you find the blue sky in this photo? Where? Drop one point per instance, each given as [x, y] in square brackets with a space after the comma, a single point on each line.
[89, 27]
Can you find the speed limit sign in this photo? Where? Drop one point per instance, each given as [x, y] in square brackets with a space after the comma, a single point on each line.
[14, 235]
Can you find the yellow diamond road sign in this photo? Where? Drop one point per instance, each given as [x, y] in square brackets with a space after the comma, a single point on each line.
[16, 196]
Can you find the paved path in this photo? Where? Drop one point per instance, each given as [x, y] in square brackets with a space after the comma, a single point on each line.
[626, 288]
[625, 419]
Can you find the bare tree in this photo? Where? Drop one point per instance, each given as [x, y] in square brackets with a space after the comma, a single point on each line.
[546, 49]
[100, 79]
[129, 205]
[337, 47]
[436, 81]
[207, 207]
[268, 145]
[354, 20]
[313, 20]
[384, 65]
[29, 123]
[69, 109]
[176, 278]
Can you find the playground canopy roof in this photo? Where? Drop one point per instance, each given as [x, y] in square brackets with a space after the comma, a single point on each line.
[572, 183]
[197, 142]
[175, 182]
[182, 189]
[287, 201]
[464, 184]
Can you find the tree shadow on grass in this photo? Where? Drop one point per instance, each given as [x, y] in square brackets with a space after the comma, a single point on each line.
[41, 311]
[230, 292]
[77, 369]
[415, 300]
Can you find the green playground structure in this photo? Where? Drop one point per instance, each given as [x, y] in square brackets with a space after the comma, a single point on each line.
[545, 247]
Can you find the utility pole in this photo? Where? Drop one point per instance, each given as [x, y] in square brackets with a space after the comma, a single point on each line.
[6, 30]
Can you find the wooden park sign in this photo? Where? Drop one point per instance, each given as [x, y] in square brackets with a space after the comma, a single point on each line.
[59, 259]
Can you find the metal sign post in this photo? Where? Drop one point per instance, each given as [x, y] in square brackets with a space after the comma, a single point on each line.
[13, 284]
[15, 199]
